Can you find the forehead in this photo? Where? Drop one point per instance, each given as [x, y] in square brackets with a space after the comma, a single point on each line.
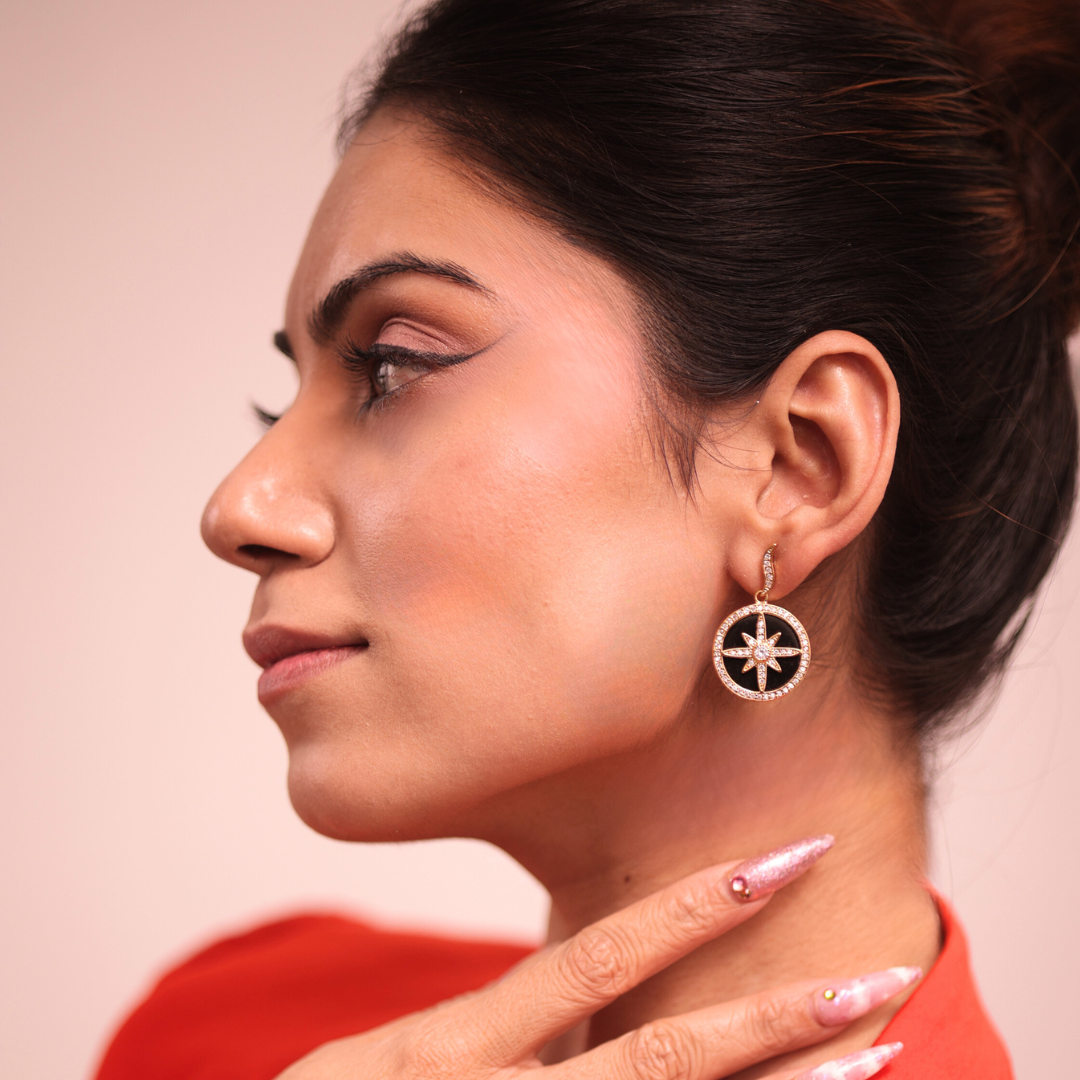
[398, 190]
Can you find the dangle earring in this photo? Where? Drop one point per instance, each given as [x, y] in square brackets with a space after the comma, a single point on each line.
[761, 651]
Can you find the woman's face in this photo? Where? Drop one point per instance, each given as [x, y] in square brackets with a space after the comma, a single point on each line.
[474, 570]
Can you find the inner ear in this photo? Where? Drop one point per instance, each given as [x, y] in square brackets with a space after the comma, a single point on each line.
[817, 462]
[805, 471]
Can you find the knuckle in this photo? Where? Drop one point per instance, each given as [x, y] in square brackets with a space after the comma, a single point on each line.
[433, 1050]
[692, 908]
[659, 1051]
[770, 1025]
[597, 964]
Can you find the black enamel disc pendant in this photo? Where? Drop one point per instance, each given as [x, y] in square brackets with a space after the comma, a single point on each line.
[761, 651]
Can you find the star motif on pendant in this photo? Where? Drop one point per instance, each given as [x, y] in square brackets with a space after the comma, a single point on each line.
[761, 652]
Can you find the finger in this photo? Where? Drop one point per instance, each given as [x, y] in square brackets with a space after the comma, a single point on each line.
[727, 1038]
[858, 1066]
[568, 983]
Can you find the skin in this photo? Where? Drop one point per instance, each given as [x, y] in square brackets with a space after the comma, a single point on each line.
[533, 599]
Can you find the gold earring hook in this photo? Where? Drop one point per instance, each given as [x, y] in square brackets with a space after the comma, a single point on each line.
[762, 595]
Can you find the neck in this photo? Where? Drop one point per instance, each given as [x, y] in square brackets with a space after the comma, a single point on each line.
[729, 785]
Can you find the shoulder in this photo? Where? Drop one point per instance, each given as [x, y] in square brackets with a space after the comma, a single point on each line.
[944, 1027]
[249, 1005]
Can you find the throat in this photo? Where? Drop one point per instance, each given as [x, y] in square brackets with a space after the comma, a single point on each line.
[832, 924]
[862, 908]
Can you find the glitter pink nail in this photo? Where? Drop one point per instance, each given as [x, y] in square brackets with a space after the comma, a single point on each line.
[755, 878]
[858, 1066]
[848, 1000]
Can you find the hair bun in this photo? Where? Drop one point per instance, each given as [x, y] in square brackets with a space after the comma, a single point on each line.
[1025, 55]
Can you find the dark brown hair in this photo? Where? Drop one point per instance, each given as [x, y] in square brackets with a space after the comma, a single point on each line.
[762, 170]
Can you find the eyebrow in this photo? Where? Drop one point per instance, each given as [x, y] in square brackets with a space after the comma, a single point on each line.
[326, 319]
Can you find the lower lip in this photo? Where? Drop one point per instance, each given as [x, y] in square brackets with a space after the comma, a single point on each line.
[289, 673]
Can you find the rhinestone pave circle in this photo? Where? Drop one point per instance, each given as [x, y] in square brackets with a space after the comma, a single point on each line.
[759, 608]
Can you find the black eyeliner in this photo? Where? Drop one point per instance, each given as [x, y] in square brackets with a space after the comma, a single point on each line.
[365, 363]
[354, 357]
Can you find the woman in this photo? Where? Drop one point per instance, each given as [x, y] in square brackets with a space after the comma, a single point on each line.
[684, 427]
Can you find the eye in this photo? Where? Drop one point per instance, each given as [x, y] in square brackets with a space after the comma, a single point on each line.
[385, 369]
[390, 375]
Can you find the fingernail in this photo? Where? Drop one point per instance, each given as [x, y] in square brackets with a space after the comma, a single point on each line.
[855, 1066]
[846, 1001]
[755, 878]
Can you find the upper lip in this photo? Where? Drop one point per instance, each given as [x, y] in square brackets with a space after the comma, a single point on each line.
[266, 645]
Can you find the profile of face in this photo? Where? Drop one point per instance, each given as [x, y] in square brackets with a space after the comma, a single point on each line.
[476, 570]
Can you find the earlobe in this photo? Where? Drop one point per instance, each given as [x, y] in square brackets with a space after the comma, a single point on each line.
[830, 417]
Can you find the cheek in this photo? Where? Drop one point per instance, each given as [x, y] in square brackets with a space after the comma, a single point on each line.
[540, 593]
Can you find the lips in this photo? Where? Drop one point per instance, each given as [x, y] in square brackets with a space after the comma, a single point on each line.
[291, 657]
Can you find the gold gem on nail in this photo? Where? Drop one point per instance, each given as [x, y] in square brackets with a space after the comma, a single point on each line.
[829, 995]
[741, 886]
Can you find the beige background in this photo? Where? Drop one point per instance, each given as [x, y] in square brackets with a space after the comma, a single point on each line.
[158, 166]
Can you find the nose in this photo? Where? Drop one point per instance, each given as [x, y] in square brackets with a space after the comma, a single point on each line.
[269, 511]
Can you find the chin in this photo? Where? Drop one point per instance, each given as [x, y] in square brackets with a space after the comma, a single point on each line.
[340, 808]
[344, 800]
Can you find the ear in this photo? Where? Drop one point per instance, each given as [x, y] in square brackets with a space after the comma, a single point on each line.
[822, 438]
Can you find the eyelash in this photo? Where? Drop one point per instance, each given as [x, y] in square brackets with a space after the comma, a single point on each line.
[365, 364]
[266, 419]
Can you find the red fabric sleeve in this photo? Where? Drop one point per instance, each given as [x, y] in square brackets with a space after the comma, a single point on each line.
[249, 1006]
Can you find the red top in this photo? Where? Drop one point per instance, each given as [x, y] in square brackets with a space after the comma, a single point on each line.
[248, 1006]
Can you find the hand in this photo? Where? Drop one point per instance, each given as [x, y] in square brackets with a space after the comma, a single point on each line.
[496, 1033]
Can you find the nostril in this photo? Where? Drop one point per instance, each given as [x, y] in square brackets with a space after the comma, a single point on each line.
[261, 552]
